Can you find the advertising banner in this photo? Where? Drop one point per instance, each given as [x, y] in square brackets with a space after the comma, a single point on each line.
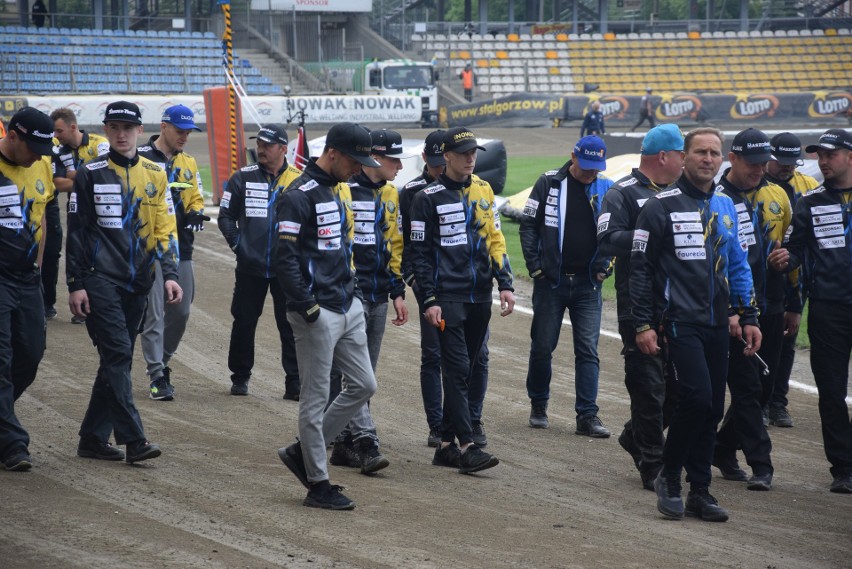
[623, 110]
[383, 109]
[314, 5]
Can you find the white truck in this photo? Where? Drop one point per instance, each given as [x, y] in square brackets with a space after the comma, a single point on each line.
[403, 76]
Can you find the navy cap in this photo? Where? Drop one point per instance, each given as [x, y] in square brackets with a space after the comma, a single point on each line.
[180, 116]
[752, 145]
[35, 128]
[460, 139]
[786, 149]
[590, 153]
[388, 143]
[432, 149]
[272, 133]
[832, 139]
[123, 111]
[354, 141]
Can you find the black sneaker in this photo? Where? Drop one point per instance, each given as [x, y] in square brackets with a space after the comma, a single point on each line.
[648, 474]
[292, 390]
[328, 497]
[344, 454]
[479, 438]
[730, 468]
[141, 450]
[292, 458]
[700, 504]
[449, 455]
[78, 320]
[371, 459]
[167, 374]
[669, 501]
[842, 484]
[779, 417]
[591, 426]
[93, 448]
[538, 416]
[475, 459]
[19, 461]
[161, 390]
[49, 313]
[625, 439]
[766, 416]
[760, 482]
[239, 387]
[434, 438]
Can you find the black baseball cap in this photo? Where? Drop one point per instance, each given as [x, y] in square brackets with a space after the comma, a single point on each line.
[832, 139]
[786, 149]
[460, 139]
[432, 149]
[752, 145]
[272, 133]
[123, 111]
[35, 128]
[354, 141]
[388, 143]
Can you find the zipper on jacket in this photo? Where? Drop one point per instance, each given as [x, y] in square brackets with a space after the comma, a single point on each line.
[131, 260]
[706, 221]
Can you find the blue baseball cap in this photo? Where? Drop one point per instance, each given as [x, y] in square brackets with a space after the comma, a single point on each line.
[662, 138]
[180, 116]
[590, 153]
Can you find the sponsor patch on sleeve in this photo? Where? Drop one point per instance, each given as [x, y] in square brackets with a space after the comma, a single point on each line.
[640, 240]
[603, 222]
[289, 227]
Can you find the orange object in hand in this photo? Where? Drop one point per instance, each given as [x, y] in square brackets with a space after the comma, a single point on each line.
[442, 325]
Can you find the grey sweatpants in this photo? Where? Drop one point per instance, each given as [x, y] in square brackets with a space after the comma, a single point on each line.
[339, 339]
[165, 323]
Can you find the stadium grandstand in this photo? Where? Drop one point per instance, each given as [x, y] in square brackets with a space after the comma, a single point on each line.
[515, 46]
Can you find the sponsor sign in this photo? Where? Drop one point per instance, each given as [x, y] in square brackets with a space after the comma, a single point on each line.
[314, 5]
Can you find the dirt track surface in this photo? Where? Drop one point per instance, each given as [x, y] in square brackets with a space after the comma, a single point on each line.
[219, 497]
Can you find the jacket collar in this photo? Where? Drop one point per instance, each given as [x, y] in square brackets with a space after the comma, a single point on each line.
[123, 160]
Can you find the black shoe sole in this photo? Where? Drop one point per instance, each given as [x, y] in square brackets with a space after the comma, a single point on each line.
[20, 466]
[151, 453]
[593, 435]
[162, 397]
[311, 503]
[716, 518]
[540, 426]
[490, 463]
[239, 392]
[291, 463]
[291, 397]
[741, 476]
[98, 456]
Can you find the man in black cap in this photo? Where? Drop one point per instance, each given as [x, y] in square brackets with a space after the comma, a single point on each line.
[26, 186]
[246, 219]
[120, 222]
[377, 251]
[457, 248]
[822, 223]
[781, 170]
[316, 269]
[764, 213]
[430, 345]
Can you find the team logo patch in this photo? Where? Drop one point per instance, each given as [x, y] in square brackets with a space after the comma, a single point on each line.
[484, 204]
[391, 207]
[40, 187]
[775, 207]
[91, 151]
[727, 221]
[187, 175]
[150, 190]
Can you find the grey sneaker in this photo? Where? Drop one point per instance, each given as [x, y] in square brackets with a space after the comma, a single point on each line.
[538, 416]
[344, 454]
[591, 426]
[780, 417]
[669, 501]
[479, 438]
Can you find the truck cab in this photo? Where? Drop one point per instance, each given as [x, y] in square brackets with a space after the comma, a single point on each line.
[403, 76]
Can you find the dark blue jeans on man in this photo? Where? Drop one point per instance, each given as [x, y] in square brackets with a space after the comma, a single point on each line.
[113, 323]
[583, 300]
[22, 338]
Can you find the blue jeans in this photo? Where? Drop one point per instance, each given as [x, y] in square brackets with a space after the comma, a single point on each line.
[584, 303]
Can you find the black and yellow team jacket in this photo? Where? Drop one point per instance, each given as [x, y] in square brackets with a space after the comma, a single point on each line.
[822, 238]
[24, 194]
[406, 196]
[764, 214]
[316, 229]
[619, 212]
[377, 242]
[457, 247]
[687, 263]
[120, 221]
[67, 159]
[247, 216]
[185, 185]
